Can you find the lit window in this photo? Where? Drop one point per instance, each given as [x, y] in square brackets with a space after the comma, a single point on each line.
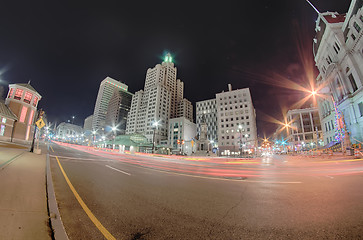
[3, 120]
[11, 92]
[18, 94]
[23, 114]
[35, 101]
[28, 97]
[2, 130]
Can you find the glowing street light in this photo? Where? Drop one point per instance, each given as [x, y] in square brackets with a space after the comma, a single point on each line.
[240, 138]
[155, 125]
[211, 144]
[114, 130]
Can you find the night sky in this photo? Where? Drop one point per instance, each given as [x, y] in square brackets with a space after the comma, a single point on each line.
[66, 48]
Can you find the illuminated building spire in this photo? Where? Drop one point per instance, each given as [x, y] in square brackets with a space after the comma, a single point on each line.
[168, 58]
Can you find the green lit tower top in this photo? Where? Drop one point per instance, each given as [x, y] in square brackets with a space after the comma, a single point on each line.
[168, 58]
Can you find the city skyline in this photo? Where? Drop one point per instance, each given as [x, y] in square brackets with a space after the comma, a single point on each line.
[212, 46]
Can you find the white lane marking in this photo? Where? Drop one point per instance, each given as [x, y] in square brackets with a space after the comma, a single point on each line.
[118, 170]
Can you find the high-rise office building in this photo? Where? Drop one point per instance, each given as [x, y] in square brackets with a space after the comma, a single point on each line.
[105, 92]
[207, 111]
[185, 109]
[237, 129]
[152, 107]
[117, 110]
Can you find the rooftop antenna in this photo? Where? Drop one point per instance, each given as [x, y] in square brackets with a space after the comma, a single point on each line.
[316, 10]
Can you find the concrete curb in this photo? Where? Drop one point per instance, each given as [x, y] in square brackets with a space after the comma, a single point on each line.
[55, 218]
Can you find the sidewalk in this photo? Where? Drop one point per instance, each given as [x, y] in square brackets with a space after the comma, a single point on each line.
[23, 202]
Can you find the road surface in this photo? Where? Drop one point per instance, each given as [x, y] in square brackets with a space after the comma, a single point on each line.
[152, 197]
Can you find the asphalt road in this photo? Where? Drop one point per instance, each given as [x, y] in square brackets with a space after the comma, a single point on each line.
[146, 197]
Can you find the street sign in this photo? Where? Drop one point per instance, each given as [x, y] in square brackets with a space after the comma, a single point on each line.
[40, 123]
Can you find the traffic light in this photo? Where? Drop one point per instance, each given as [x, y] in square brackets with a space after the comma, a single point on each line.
[182, 141]
[178, 141]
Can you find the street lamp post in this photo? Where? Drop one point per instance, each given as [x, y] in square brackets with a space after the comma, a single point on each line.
[211, 145]
[246, 136]
[104, 143]
[155, 125]
[240, 139]
[114, 129]
[94, 137]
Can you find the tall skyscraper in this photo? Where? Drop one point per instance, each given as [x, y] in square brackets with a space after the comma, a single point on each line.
[157, 103]
[185, 109]
[105, 92]
[117, 110]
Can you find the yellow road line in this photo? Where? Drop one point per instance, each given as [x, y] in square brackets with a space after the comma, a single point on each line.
[51, 148]
[95, 221]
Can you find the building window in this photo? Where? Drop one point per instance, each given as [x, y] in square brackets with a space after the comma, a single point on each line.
[330, 59]
[356, 26]
[336, 44]
[35, 101]
[352, 82]
[23, 114]
[3, 120]
[336, 51]
[18, 94]
[2, 130]
[353, 36]
[360, 105]
[11, 92]
[28, 97]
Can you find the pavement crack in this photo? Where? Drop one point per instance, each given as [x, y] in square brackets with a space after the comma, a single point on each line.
[234, 206]
[212, 228]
